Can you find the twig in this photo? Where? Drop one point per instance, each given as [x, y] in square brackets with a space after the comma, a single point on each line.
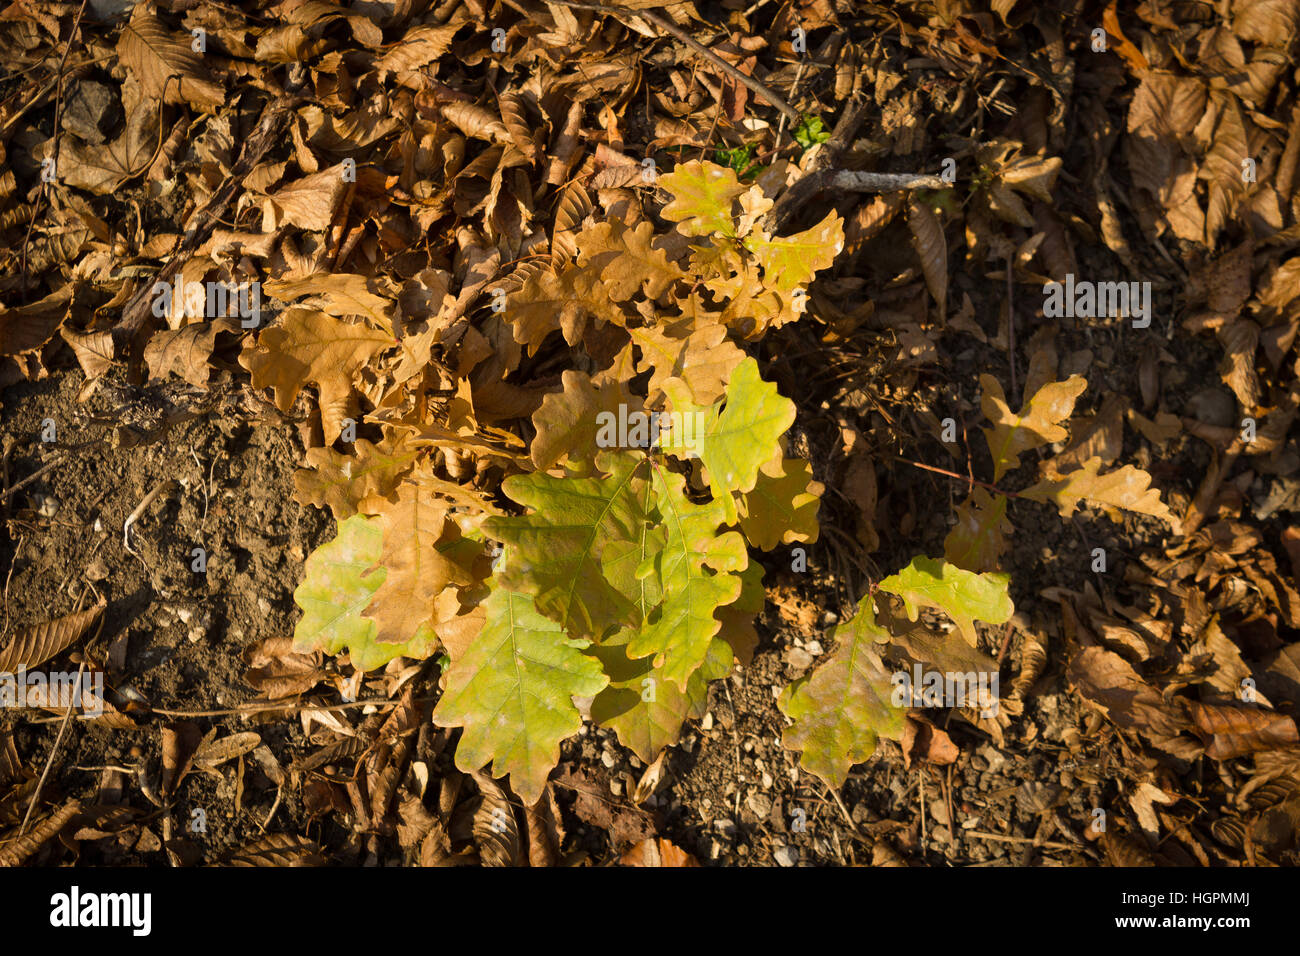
[920, 789]
[999, 838]
[49, 761]
[848, 818]
[58, 457]
[1011, 320]
[145, 502]
[775, 99]
[953, 474]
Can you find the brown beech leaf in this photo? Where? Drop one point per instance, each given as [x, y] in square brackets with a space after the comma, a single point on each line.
[1232, 731]
[420, 46]
[932, 248]
[28, 327]
[180, 741]
[213, 753]
[277, 669]
[94, 350]
[1109, 681]
[657, 852]
[279, 850]
[574, 207]
[338, 294]
[12, 854]
[496, 831]
[35, 645]
[161, 59]
[306, 203]
[544, 831]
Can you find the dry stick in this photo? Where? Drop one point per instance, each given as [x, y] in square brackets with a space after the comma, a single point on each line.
[754, 85]
[846, 127]
[953, 474]
[4, 496]
[49, 761]
[145, 502]
[845, 181]
[998, 837]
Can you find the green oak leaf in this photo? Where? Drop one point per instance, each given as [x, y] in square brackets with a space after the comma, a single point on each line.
[512, 691]
[963, 595]
[565, 551]
[842, 709]
[733, 440]
[643, 707]
[702, 197]
[336, 589]
[693, 573]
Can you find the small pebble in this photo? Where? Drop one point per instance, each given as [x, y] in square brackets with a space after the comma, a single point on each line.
[786, 855]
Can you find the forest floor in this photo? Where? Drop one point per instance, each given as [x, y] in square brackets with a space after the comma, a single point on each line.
[1150, 675]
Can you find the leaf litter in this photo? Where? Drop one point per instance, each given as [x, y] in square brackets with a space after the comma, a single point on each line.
[573, 428]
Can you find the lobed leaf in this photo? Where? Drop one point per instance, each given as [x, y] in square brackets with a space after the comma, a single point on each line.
[963, 595]
[735, 440]
[702, 197]
[842, 709]
[512, 691]
[338, 583]
[1034, 426]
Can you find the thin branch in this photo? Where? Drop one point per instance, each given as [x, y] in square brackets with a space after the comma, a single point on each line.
[49, 761]
[953, 474]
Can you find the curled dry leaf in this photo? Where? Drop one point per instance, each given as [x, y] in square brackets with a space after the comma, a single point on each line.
[185, 351]
[1109, 681]
[932, 248]
[1234, 731]
[496, 831]
[922, 741]
[180, 742]
[12, 854]
[277, 669]
[213, 753]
